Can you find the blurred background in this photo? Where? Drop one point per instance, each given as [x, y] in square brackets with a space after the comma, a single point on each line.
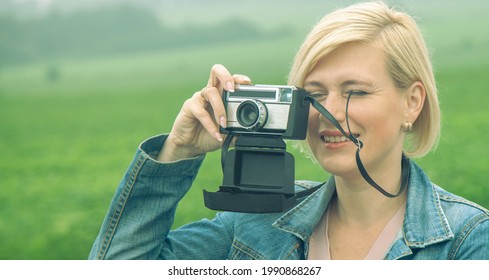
[83, 82]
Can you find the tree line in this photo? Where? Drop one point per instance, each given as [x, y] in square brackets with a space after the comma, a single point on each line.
[110, 31]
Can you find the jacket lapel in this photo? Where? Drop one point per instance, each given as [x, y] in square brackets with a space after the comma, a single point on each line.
[302, 219]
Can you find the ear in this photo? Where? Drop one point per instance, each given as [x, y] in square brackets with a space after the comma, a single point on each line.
[415, 97]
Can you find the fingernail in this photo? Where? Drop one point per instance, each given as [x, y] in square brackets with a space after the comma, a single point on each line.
[246, 79]
[222, 122]
[218, 136]
[230, 86]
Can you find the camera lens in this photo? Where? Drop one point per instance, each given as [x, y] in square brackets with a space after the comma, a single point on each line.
[252, 114]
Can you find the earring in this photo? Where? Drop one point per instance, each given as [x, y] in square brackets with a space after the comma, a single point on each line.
[407, 127]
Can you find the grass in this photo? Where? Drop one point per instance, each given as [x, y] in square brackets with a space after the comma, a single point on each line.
[65, 143]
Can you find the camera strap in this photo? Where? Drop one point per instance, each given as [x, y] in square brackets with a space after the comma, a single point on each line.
[225, 148]
[405, 161]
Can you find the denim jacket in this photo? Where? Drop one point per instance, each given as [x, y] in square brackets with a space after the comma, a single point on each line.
[437, 224]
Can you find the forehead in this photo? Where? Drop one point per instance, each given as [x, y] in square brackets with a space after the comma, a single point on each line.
[352, 61]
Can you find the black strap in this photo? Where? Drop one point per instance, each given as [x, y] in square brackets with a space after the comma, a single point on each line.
[225, 148]
[332, 119]
[405, 161]
[404, 176]
[307, 192]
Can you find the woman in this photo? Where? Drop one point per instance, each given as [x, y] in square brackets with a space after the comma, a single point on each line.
[367, 65]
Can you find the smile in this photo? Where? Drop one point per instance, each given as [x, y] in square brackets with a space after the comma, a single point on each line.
[335, 139]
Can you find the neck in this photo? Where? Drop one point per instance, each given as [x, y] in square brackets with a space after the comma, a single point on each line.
[359, 204]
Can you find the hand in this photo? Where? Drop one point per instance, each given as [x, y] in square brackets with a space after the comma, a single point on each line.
[196, 128]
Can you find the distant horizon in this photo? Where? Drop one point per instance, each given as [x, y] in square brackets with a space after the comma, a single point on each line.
[186, 8]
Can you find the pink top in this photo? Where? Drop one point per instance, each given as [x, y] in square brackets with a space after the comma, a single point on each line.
[319, 243]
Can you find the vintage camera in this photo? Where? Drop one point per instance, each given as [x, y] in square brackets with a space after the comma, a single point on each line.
[267, 110]
[259, 172]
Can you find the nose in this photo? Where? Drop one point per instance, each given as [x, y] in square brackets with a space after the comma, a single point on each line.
[335, 104]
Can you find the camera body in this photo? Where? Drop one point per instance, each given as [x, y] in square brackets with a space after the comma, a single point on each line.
[274, 110]
[261, 117]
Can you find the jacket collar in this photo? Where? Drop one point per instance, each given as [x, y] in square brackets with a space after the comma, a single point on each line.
[425, 222]
[303, 218]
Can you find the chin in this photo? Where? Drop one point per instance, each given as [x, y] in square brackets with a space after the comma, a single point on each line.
[339, 166]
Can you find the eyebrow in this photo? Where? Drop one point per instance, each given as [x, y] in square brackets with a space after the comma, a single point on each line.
[354, 83]
[314, 84]
[343, 84]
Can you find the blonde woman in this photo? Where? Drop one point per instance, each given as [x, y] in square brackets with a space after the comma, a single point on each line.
[368, 66]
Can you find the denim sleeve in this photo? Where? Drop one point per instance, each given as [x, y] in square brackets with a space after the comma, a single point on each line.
[142, 210]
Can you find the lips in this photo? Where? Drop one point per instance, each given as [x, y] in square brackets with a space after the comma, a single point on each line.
[334, 137]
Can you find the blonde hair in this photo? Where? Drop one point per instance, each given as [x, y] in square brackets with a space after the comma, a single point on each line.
[407, 59]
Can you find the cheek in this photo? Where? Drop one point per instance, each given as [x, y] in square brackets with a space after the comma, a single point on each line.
[312, 126]
[379, 122]
[313, 123]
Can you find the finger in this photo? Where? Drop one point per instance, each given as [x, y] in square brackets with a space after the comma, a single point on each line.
[199, 111]
[221, 78]
[241, 79]
[208, 124]
[213, 96]
[203, 92]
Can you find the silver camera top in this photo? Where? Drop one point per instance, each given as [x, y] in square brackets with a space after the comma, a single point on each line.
[266, 93]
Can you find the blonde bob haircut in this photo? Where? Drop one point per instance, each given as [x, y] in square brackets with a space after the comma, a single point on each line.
[407, 59]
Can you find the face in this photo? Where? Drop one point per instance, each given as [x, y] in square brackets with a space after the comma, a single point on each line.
[376, 111]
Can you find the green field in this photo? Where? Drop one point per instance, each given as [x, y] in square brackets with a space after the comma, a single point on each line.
[65, 141]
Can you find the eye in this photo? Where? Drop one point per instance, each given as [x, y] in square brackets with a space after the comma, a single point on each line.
[357, 92]
[318, 95]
